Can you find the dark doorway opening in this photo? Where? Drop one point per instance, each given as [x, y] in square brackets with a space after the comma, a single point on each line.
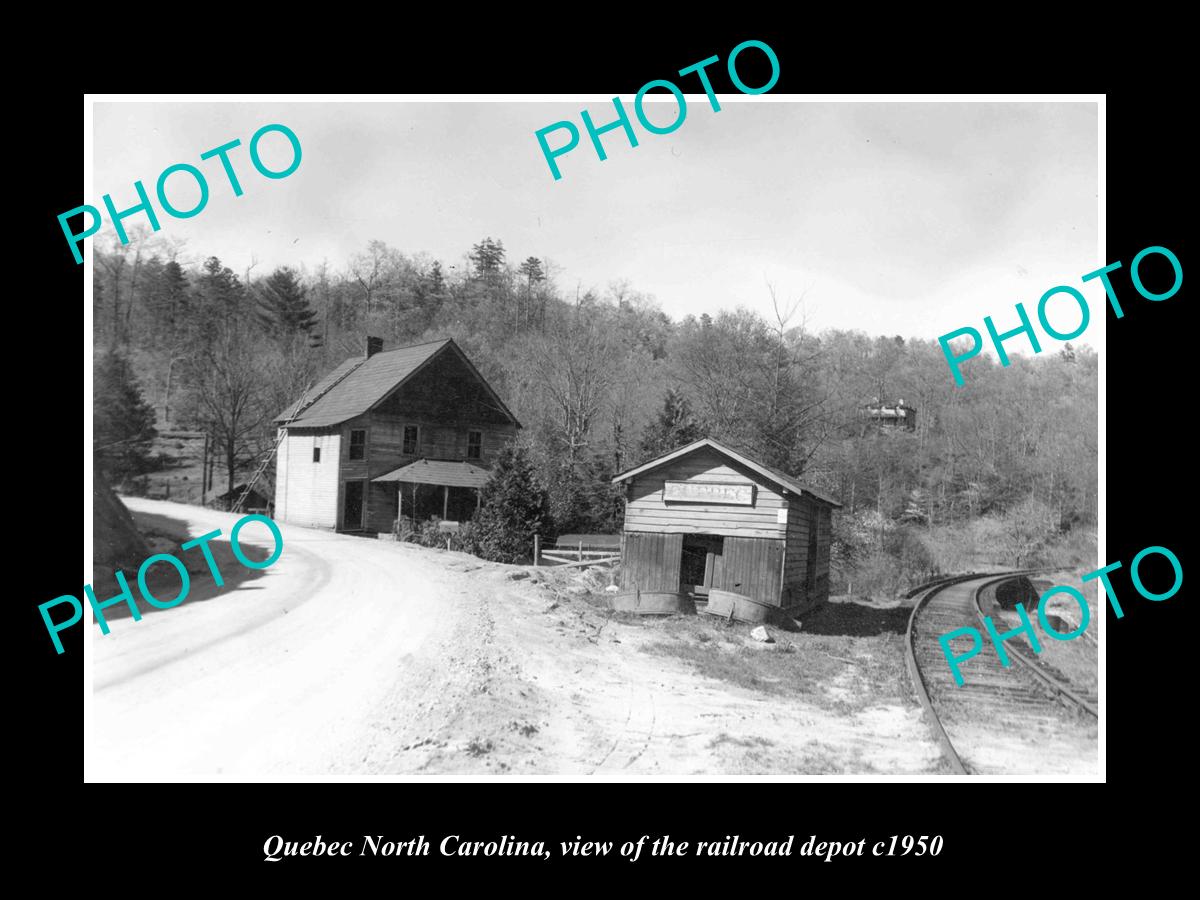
[699, 562]
[352, 515]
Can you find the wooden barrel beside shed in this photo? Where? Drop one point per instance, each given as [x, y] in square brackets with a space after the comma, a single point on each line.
[726, 604]
[653, 603]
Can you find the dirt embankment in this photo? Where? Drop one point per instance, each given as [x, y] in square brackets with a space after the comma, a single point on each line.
[117, 543]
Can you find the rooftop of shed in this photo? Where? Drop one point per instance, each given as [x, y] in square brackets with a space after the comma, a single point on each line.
[768, 474]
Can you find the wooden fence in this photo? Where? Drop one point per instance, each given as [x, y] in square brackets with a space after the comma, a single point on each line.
[578, 550]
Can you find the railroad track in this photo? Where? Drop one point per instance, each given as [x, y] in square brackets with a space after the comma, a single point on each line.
[981, 724]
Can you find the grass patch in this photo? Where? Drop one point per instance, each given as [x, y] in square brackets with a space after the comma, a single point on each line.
[841, 673]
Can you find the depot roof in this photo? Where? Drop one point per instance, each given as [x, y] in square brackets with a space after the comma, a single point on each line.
[777, 478]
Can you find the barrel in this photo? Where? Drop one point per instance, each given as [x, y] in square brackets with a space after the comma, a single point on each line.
[653, 603]
[726, 604]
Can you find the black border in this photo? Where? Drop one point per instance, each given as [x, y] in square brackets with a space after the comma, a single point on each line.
[224, 828]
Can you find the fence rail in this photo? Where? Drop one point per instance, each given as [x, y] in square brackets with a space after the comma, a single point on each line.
[579, 552]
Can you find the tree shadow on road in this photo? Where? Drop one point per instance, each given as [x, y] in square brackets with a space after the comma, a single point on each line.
[164, 534]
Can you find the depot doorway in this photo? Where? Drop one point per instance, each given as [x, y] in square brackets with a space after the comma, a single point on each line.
[699, 563]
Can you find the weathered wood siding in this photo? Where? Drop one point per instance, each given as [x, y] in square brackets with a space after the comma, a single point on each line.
[751, 566]
[306, 492]
[767, 550]
[447, 393]
[385, 440]
[795, 566]
[824, 545]
[385, 452]
[650, 561]
[805, 515]
[645, 509]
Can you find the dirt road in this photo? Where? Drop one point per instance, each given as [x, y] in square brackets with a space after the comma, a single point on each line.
[353, 656]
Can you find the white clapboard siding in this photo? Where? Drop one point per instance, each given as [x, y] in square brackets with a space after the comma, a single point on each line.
[306, 492]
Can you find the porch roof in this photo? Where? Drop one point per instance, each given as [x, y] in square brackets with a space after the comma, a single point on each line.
[440, 472]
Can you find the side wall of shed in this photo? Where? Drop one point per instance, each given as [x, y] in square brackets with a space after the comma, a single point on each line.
[824, 546]
[806, 516]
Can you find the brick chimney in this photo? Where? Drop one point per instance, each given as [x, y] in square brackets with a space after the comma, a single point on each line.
[374, 345]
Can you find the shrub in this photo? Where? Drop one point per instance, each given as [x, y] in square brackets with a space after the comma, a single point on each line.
[513, 508]
[430, 534]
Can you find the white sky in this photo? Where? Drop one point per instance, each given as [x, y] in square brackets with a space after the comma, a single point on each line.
[909, 218]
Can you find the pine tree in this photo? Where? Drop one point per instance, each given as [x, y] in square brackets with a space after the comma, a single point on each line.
[283, 307]
[216, 299]
[513, 508]
[532, 270]
[169, 301]
[437, 280]
[675, 426]
[122, 421]
[488, 257]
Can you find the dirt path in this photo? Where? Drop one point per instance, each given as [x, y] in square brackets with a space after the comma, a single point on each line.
[352, 656]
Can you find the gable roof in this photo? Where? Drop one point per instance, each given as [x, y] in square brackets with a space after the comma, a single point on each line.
[361, 383]
[775, 477]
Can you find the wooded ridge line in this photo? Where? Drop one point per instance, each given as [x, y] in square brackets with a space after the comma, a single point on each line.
[194, 362]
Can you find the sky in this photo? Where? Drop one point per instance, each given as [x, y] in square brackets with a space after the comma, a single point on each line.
[893, 218]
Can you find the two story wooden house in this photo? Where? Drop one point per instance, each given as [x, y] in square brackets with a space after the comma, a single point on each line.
[411, 430]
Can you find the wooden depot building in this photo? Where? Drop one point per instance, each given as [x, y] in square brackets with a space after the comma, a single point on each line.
[705, 516]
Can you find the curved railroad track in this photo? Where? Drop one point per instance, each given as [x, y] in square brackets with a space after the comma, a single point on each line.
[999, 715]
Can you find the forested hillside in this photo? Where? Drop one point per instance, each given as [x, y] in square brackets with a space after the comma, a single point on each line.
[1002, 470]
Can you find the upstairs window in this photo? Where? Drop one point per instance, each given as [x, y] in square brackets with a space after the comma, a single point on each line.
[316, 454]
[474, 444]
[410, 440]
[358, 444]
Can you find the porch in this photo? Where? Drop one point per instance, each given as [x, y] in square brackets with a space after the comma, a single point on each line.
[435, 488]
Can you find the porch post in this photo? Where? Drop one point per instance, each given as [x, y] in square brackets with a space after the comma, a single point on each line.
[445, 502]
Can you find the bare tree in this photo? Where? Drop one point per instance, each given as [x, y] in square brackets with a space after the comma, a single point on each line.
[572, 364]
[369, 269]
[232, 400]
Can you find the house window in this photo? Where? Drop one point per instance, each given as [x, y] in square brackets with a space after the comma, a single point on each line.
[474, 444]
[410, 439]
[358, 444]
[316, 454]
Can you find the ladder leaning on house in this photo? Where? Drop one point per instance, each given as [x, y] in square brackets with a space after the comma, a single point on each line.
[300, 407]
[270, 454]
